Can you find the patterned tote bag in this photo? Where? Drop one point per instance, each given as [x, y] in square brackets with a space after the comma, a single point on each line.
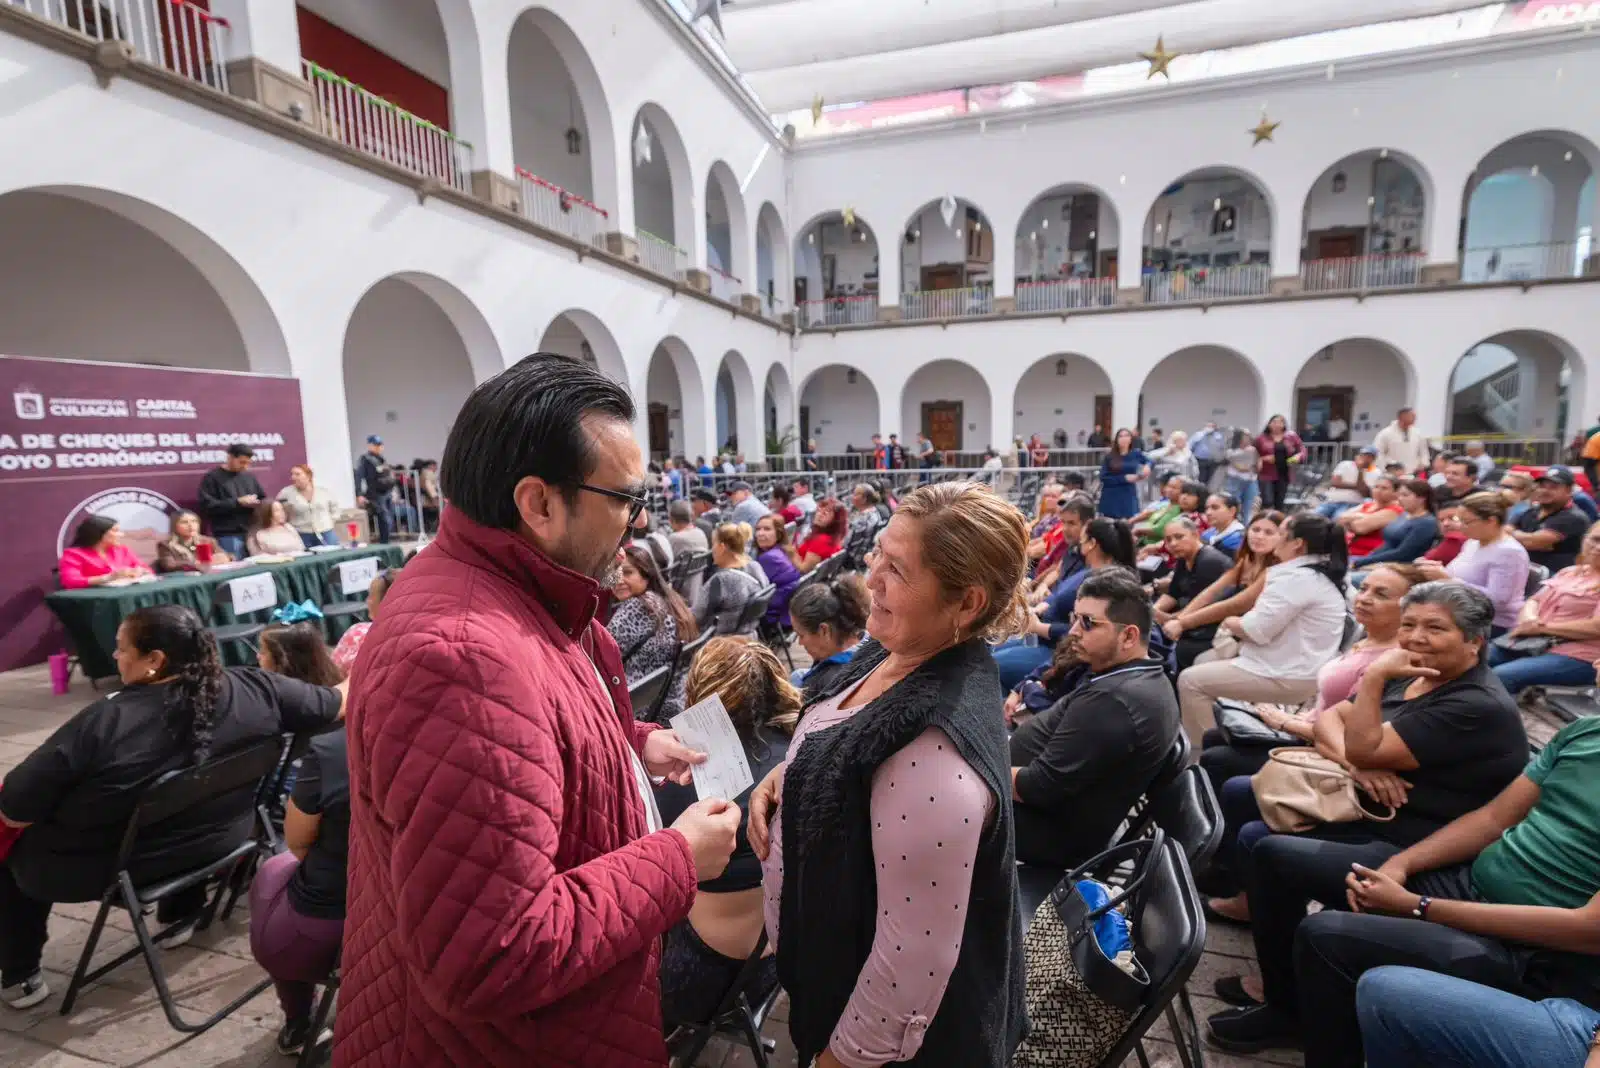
[1080, 1001]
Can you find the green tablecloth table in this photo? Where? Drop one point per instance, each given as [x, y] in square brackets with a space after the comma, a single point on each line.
[91, 615]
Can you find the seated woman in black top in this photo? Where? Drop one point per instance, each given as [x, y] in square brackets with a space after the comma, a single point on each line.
[75, 794]
[830, 619]
[297, 898]
[1431, 732]
[705, 953]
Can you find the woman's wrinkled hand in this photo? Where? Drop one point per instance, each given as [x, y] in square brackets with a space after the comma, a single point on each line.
[763, 806]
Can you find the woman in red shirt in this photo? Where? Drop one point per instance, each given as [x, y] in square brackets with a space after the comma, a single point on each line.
[782, 503]
[1363, 524]
[97, 556]
[828, 527]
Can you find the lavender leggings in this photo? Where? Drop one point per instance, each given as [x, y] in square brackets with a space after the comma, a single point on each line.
[297, 951]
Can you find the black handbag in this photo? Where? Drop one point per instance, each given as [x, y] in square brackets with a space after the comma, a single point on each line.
[1243, 729]
[1532, 645]
[1080, 1003]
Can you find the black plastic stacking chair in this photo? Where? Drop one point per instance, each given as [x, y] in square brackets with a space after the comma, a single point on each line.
[735, 1016]
[246, 628]
[649, 692]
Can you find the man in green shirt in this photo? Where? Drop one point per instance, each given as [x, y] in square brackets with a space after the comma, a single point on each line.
[1507, 896]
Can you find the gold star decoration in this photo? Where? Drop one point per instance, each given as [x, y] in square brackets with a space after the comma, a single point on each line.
[816, 109]
[849, 217]
[1263, 130]
[1159, 60]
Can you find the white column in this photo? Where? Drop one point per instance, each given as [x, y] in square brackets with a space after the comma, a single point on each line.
[622, 220]
[1286, 247]
[1432, 401]
[261, 29]
[888, 274]
[480, 98]
[1444, 218]
[1002, 412]
[1005, 262]
[1130, 253]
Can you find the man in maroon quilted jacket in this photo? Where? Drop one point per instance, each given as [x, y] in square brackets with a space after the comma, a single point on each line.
[509, 878]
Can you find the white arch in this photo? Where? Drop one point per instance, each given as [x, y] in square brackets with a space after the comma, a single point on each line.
[1377, 373]
[1063, 391]
[695, 432]
[826, 231]
[580, 335]
[1034, 238]
[943, 383]
[841, 412]
[1199, 391]
[593, 107]
[778, 407]
[772, 267]
[1430, 203]
[399, 378]
[1538, 358]
[720, 177]
[265, 346]
[668, 148]
[1261, 189]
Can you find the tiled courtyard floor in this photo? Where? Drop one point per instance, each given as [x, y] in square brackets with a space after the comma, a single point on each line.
[119, 1022]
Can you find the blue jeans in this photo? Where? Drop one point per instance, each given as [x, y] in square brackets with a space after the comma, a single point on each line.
[1017, 661]
[1334, 509]
[233, 545]
[1416, 1019]
[1548, 669]
[383, 511]
[311, 541]
[1247, 490]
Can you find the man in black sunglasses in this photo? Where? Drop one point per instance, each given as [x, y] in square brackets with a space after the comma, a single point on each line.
[1079, 766]
[510, 879]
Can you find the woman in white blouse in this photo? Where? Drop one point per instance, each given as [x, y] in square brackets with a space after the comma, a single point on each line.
[310, 507]
[1295, 628]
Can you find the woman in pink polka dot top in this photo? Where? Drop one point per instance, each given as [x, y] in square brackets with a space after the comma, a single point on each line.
[886, 836]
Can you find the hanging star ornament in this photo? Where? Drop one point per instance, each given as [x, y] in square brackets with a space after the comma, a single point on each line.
[849, 218]
[1263, 130]
[1159, 60]
[712, 8]
[816, 109]
[643, 151]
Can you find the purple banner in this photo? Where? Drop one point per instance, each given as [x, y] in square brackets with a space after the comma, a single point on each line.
[83, 438]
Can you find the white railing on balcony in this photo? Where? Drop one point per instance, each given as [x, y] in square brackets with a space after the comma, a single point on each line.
[1524, 263]
[839, 311]
[662, 256]
[370, 124]
[947, 303]
[174, 34]
[1380, 270]
[1208, 283]
[724, 286]
[556, 209]
[1064, 294]
[1501, 396]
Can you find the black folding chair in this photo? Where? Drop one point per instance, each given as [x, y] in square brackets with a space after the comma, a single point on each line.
[174, 793]
[339, 602]
[754, 609]
[1538, 575]
[695, 564]
[735, 1016]
[1168, 939]
[829, 569]
[246, 628]
[648, 694]
[315, 1052]
[1140, 819]
[1187, 810]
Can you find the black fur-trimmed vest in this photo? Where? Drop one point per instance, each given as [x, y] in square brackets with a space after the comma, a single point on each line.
[827, 918]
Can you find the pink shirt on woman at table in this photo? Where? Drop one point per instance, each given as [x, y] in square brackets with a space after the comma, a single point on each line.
[925, 851]
[78, 566]
[1571, 595]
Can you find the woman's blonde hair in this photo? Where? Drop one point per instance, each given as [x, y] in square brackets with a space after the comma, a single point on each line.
[735, 537]
[752, 684]
[1486, 504]
[970, 537]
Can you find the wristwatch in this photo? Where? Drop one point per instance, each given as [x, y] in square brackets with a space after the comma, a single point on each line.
[1421, 911]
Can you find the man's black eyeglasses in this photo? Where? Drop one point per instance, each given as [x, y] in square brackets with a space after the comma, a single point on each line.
[636, 504]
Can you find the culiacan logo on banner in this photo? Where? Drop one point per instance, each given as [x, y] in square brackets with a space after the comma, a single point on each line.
[29, 402]
[144, 515]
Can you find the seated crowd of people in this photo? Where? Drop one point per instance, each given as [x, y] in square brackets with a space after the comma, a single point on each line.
[984, 689]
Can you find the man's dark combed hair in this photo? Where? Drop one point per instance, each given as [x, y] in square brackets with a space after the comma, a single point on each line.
[1126, 602]
[526, 421]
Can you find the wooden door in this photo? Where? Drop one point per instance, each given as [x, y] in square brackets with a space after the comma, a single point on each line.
[1317, 408]
[660, 441]
[1108, 265]
[1340, 247]
[942, 423]
[1102, 412]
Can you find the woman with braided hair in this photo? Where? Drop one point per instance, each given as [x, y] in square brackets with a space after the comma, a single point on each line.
[74, 795]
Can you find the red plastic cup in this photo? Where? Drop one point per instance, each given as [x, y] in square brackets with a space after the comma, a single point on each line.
[202, 552]
[355, 531]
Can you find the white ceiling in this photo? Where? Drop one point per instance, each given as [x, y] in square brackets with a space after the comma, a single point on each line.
[791, 51]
